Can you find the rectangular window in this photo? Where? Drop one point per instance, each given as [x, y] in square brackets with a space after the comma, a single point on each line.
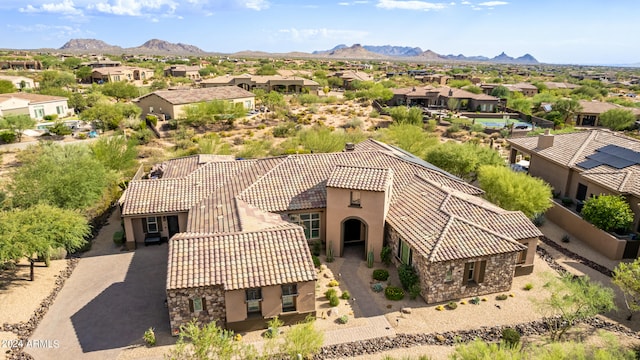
[310, 222]
[289, 294]
[197, 304]
[254, 297]
[474, 272]
[471, 272]
[448, 276]
[60, 109]
[355, 199]
[405, 254]
[522, 257]
[39, 111]
[152, 225]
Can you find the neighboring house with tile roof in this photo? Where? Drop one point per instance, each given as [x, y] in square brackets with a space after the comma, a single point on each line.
[35, 105]
[170, 104]
[438, 97]
[20, 82]
[186, 71]
[120, 73]
[525, 89]
[584, 164]
[589, 114]
[240, 230]
[284, 84]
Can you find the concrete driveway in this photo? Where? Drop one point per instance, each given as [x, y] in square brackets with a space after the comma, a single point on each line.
[111, 298]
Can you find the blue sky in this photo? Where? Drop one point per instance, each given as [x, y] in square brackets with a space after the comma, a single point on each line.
[553, 31]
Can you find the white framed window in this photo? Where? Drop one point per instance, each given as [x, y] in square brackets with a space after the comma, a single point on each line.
[471, 271]
[152, 225]
[254, 297]
[355, 199]
[289, 294]
[60, 109]
[197, 304]
[310, 222]
[39, 111]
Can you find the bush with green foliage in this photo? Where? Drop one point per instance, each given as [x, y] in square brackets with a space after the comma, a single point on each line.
[463, 160]
[627, 277]
[330, 293]
[452, 305]
[8, 136]
[316, 261]
[608, 212]
[149, 337]
[283, 130]
[510, 336]
[394, 293]
[380, 274]
[402, 115]
[118, 237]
[303, 339]
[386, 254]
[502, 297]
[343, 319]
[59, 128]
[334, 301]
[346, 295]
[408, 276]
[414, 291]
[316, 248]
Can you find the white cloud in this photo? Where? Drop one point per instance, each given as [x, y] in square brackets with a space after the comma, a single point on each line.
[344, 4]
[66, 7]
[304, 35]
[134, 7]
[493, 3]
[52, 32]
[255, 4]
[465, 3]
[410, 5]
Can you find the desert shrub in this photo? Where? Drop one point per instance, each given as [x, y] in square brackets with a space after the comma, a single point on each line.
[149, 337]
[118, 237]
[408, 276]
[316, 248]
[333, 283]
[374, 114]
[334, 301]
[431, 125]
[316, 261]
[452, 305]
[510, 336]
[354, 123]
[377, 287]
[330, 293]
[58, 253]
[538, 219]
[380, 274]
[394, 293]
[283, 130]
[50, 117]
[385, 255]
[528, 286]
[8, 136]
[152, 119]
[502, 297]
[346, 295]
[343, 319]
[414, 291]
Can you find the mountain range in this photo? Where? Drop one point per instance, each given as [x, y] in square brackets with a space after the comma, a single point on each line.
[342, 51]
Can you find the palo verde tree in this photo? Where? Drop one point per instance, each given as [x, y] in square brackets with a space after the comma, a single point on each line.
[402, 115]
[197, 342]
[213, 112]
[38, 230]
[573, 299]
[6, 87]
[120, 90]
[409, 137]
[463, 160]
[608, 212]
[17, 124]
[627, 277]
[514, 191]
[617, 119]
[116, 153]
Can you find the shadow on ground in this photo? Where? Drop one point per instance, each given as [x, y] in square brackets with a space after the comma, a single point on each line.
[119, 316]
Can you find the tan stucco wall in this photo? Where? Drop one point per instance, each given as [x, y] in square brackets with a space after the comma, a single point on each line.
[371, 212]
[306, 301]
[527, 266]
[552, 173]
[323, 220]
[236, 305]
[597, 239]
[271, 301]
[159, 105]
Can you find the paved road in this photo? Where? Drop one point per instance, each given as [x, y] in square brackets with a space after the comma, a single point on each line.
[111, 298]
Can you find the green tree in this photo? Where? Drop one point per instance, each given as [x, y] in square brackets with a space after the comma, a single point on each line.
[411, 138]
[212, 112]
[302, 339]
[38, 230]
[158, 84]
[453, 104]
[120, 90]
[77, 101]
[71, 63]
[571, 300]
[67, 177]
[514, 191]
[17, 124]
[56, 79]
[209, 342]
[266, 69]
[618, 119]
[568, 108]
[373, 91]
[109, 116]
[500, 91]
[402, 115]
[116, 153]
[627, 277]
[608, 212]
[83, 72]
[463, 160]
[7, 87]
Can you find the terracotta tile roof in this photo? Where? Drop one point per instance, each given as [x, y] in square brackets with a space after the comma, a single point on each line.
[181, 167]
[239, 260]
[33, 98]
[260, 79]
[625, 181]
[190, 96]
[360, 178]
[596, 107]
[444, 224]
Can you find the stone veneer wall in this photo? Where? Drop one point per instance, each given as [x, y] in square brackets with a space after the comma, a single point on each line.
[180, 314]
[498, 274]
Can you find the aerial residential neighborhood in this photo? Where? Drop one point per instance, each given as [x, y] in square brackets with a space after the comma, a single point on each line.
[258, 190]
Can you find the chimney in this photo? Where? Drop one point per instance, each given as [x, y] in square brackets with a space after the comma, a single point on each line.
[545, 140]
[349, 147]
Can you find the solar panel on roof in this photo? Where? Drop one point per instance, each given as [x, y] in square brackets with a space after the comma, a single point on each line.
[621, 152]
[589, 164]
[614, 156]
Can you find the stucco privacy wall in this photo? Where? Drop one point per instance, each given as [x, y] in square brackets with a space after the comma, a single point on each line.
[604, 243]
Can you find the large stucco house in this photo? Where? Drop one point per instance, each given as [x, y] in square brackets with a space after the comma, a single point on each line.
[584, 164]
[284, 84]
[439, 97]
[239, 230]
[169, 104]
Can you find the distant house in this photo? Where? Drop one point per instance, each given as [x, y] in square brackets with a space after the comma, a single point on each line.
[97, 64]
[349, 76]
[551, 85]
[20, 82]
[170, 103]
[279, 83]
[120, 73]
[438, 97]
[189, 72]
[27, 63]
[525, 89]
[239, 230]
[590, 113]
[35, 105]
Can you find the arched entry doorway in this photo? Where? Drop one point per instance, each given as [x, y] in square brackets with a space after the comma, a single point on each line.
[354, 237]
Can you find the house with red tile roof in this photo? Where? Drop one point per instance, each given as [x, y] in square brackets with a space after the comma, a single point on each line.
[239, 230]
[439, 97]
[284, 84]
